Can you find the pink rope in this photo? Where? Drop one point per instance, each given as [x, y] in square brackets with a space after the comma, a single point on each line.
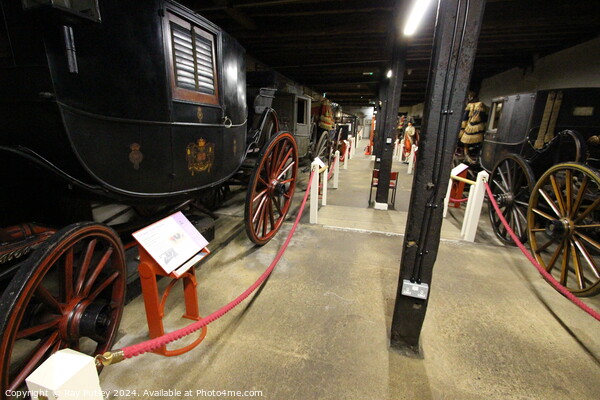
[153, 344]
[459, 200]
[563, 290]
[331, 170]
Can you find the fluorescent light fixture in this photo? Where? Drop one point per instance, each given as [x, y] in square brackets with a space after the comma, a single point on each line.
[415, 16]
[367, 73]
[389, 73]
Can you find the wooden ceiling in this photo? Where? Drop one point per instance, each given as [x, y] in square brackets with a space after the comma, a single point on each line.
[330, 45]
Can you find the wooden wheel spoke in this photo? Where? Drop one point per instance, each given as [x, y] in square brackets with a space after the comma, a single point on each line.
[262, 181]
[290, 165]
[508, 175]
[589, 240]
[67, 279]
[579, 197]
[271, 214]
[588, 210]
[550, 202]
[278, 206]
[540, 249]
[558, 194]
[521, 203]
[279, 171]
[32, 330]
[543, 214]
[105, 283]
[590, 226]
[259, 208]
[577, 266]
[554, 257]
[564, 272]
[97, 270]
[48, 299]
[33, 360]
[569, 191]
[537, 230]
[517, 222]
[506, 185]
[499, 186]
[85, 265]
[587, 257]
[260, 194]
[276, 158]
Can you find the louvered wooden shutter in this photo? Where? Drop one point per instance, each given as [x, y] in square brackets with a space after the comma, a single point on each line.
[193, 62]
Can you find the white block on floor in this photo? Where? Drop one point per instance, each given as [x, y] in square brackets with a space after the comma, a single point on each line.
[66, 375]
[381, 206]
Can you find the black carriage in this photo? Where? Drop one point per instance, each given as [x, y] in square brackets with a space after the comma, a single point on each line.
[542, 151]
[121, 113]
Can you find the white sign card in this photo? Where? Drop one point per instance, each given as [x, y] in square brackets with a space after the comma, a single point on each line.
[171, 241]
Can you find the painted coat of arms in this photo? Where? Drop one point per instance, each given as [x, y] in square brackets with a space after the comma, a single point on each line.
[200, 156]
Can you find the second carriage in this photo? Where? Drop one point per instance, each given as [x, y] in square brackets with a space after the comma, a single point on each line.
[543, 150]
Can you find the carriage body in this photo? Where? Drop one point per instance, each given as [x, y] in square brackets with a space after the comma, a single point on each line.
[543, 150]
[525, 123]
[137, 102]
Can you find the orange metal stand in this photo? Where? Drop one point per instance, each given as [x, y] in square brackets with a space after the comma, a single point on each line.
[458, 188]
[149, 270]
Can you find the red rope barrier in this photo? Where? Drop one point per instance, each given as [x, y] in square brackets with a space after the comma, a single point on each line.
[331, 169]
[563, 290]
[149, 345]
[458, 200]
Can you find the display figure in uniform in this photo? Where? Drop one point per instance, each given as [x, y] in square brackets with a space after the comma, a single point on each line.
[472, 129]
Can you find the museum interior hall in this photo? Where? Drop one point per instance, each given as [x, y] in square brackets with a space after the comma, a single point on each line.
[300, 199]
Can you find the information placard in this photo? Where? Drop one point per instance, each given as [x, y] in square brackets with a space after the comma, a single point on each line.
[171, 242]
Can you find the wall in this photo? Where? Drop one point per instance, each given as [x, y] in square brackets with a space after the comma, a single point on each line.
[578, 66]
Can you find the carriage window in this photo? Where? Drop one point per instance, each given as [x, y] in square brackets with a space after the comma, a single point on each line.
[583, 111]
[193, 62]
[301, 118]
[85, 8]
[495, 115]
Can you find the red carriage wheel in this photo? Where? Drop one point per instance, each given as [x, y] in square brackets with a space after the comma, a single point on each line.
[271, 188]
[69, 293]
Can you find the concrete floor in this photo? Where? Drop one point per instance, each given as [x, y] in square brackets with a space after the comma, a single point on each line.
[319, 328]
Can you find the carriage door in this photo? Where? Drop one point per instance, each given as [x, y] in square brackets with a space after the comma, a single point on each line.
[302, 124]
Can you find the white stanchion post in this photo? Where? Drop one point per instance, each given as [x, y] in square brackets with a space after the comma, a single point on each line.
[66, 374]
[314, 192]
[411, 160]
[324, 189]
[401, 150]
[395, 153]
[351, 143]
[336, 170]
[474, 205]
[346, 154]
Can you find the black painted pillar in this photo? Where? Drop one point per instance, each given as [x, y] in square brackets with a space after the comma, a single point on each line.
[388, 134]
[455, 41]
[380, 127]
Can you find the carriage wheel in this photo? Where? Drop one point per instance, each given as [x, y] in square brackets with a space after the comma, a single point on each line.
[269, 129]
[68, 294]
[564, 226]
[271, 188]
[511, 182]
[322, 147]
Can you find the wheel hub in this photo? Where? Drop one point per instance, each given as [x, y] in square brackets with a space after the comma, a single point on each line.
[560, 228]
[83, 318]
[505, 199]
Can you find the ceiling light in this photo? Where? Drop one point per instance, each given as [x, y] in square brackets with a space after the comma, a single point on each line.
[367, 73]
[415, 16]
[389, 73]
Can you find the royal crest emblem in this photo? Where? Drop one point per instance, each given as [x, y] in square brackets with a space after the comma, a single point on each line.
[200, 156]
[200, 114]
[136, 156]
